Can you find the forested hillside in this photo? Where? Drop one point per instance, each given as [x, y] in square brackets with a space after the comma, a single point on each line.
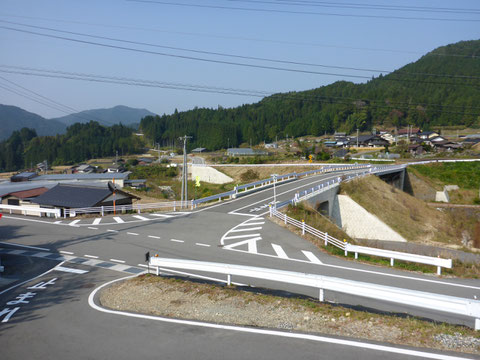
[81, 142]
[442, 88]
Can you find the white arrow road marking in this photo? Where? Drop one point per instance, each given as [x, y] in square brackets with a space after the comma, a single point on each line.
[70, 270]
[251, 243]
[118, 220]
[310, 256]
[279, 251]
[96, 221]
[139, 217]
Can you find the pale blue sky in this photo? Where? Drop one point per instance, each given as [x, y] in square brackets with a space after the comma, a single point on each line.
[373, 43]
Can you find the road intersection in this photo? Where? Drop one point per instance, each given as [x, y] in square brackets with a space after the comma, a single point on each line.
[236, 231]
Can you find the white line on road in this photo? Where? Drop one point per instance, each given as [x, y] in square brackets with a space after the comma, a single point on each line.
[248, 229]
[175, 240]
[91, 256]
[70, 270]
[118, 220]
[279, 251]
[310, 256]
[57, 222]
[66, 252]
[92, 228]
[112, 230]
[130, 233]
[252, 223]
[96, 221]
[139, 217]
[240, 236]
[200, 244]
[162, 215]
[316, 338]
[119, 261]
[154, 237]
[24, 246]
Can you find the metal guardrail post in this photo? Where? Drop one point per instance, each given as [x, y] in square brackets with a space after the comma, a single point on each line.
[326, 239]
[285, 218]
[303, 227]
[103, 211]
[174, 205]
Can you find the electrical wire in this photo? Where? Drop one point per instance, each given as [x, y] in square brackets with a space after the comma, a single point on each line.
[368, 16]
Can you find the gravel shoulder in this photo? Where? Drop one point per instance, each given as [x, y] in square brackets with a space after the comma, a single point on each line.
[186, 299]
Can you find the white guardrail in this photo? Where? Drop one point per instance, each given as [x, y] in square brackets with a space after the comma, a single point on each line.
[345, 246]
[30, 210]
[435, 302]
[174, 205]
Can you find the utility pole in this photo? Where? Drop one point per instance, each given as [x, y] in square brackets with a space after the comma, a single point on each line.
[357, 138]
[185, 170]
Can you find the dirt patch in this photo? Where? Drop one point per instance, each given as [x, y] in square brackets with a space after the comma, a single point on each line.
[179, 298]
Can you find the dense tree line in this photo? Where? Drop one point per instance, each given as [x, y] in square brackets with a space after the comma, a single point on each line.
[412, 95]
[81, 142]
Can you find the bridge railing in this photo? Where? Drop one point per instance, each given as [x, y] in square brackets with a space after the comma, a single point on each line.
[406, 297]
[347, 247]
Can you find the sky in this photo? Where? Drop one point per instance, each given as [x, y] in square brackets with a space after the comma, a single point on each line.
[163, 55]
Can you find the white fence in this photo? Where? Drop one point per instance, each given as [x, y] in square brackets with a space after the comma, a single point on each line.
[345, 246]
[434, 302]
[30, 210]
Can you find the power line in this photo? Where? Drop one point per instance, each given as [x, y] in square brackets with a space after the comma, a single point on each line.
[226, 91]
[250, 39]
[241, 56]
[229, 62]
[368, 16]
[359, 6]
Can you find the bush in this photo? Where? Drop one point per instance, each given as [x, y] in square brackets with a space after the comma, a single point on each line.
[249, 175]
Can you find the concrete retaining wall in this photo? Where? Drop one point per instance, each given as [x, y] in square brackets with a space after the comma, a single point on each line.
[358, 223]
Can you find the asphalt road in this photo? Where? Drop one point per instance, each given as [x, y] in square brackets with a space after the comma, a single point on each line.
[223, 232]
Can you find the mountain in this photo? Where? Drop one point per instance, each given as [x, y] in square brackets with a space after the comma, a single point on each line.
[107, 117]
[14, 118]
[442, 88]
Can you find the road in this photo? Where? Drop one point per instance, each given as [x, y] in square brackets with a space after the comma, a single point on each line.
[114, 246]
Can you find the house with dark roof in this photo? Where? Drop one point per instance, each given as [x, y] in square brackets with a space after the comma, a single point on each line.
[22, 197]
[245, 152]
[24, 176]
[68, 196]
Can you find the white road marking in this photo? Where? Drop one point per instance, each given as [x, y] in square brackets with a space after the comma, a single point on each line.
[142, 265]
[92, 262]
[175, 240]
[251, 243]
[118, 220]
[73, 223]
[154, 237]
[251, 223]
[119, 261]
[279, 251]
[70, 270]
[130, 233]
[66, 252]
[248, 229]
[141, 217]
[91, 256]
[42, 254]
[310, 256]
[119, 267]
[112, 230]
[282, 334]
[240, 236]
[162, 215]
[16, 252]
[92, 228]
[24, 246]
[58, 222]
[96, 221]
[200, 244]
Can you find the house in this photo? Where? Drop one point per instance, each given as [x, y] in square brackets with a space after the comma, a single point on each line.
[388, 137]
[407, 131]
[68, 196]
[22, 197]
[416, 149]
[115, 169]
[271, 146]
[446, 146]
[199, 150]
[117, 178]
[339, 135]
[145, 161]
[85, 169]
[425, 135]
[368, 141]
[245, 152]
[340, 153]
[136, 184]
[24, 176]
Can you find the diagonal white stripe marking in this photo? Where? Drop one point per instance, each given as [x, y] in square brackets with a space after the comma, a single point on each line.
[279, 251]
[252, 223]
[310, 256]
[96, 221]
[141, 217]
[73, 222]
[154, 237]
[241, 236]
[119, 267]
[162, 215]
[248, 229]
[118, 220]
[42, 254]
[70, 270]
[251, 243]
